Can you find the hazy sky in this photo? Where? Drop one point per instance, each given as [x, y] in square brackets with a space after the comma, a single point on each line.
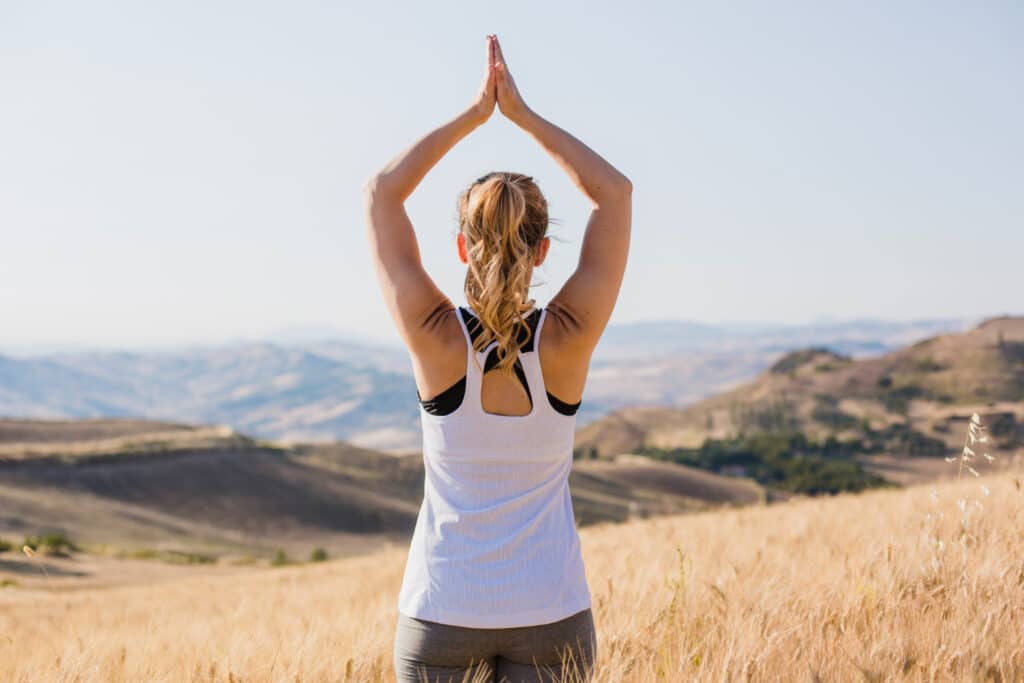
[182, 172]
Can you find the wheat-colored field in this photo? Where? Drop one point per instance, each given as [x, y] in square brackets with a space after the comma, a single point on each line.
[924, 583]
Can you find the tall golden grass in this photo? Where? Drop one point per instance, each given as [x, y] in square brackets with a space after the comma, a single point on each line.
[849, 588]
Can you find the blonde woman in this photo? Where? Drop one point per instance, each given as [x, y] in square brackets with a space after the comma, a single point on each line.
[494, 584]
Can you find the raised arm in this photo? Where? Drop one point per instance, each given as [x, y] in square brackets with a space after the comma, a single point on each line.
[411, 295]
[586, 300]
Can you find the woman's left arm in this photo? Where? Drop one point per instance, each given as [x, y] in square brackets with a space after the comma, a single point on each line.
[411, 295]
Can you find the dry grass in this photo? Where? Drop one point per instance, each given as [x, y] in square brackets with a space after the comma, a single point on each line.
[850, 588]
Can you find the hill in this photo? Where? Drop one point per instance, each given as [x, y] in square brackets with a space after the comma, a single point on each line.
[137, 486]
[876, 586]
[912, 402]
[132, 486]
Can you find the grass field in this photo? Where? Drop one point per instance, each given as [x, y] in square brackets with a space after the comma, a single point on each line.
[886, 585]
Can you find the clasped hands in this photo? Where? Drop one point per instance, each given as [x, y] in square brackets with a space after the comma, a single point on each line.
[498, 88]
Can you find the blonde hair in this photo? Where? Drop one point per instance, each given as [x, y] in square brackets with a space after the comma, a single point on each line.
[504, 217]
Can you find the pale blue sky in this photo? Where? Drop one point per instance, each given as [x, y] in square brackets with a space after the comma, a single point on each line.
[175, 172]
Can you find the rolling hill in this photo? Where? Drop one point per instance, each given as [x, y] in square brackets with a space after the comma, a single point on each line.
[135, 486]
[915, 401]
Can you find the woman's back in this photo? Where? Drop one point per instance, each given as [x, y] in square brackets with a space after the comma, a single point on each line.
[495, 544]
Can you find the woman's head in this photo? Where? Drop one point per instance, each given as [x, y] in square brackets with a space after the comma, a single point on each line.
[503, 223]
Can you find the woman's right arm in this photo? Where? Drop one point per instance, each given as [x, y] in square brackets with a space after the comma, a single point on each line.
[586, 301]
[596, 178]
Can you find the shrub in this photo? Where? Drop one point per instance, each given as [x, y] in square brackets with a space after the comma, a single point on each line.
[280, 558]
[834, 418]
[184, 557]
[927, 364]
[1012, 351]
[51, 544]
[318, 555]
[1003, 424]
[784, 460]
[795, 359]
[1005, 429]
[903, 438]
[897, 400]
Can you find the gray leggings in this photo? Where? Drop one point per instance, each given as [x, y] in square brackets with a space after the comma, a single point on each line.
[426, 651]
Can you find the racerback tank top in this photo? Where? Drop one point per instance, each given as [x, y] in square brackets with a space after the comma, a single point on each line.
[495, 543]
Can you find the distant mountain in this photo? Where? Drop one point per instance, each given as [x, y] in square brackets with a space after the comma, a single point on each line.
[855, 337]
[319, 389]
[44, 387]
[264, 389]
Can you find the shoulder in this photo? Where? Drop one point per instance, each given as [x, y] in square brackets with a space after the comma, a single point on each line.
[562, 334]
[441, 331]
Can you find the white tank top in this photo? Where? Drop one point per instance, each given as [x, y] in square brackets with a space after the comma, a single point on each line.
[495, 543]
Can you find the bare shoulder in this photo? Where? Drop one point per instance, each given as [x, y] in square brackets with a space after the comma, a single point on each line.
[564, 336]
[440, 330]
[564, 359]
[439, 356]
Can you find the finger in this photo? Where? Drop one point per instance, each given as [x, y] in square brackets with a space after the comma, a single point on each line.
[497, 50]
[491, 83]
[503, 76]
[490, 53]
[499, 77]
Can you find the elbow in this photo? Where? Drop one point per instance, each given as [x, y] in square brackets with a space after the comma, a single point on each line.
[616, 190]
[377, 187]
[371, 188]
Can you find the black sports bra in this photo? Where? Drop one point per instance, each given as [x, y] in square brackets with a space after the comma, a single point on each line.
[451, 398]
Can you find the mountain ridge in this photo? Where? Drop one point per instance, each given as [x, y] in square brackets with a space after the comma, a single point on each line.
[327, 390]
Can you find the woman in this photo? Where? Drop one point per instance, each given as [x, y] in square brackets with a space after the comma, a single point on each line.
[494, 584]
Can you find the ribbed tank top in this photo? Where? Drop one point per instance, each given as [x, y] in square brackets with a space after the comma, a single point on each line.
[495, 543]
